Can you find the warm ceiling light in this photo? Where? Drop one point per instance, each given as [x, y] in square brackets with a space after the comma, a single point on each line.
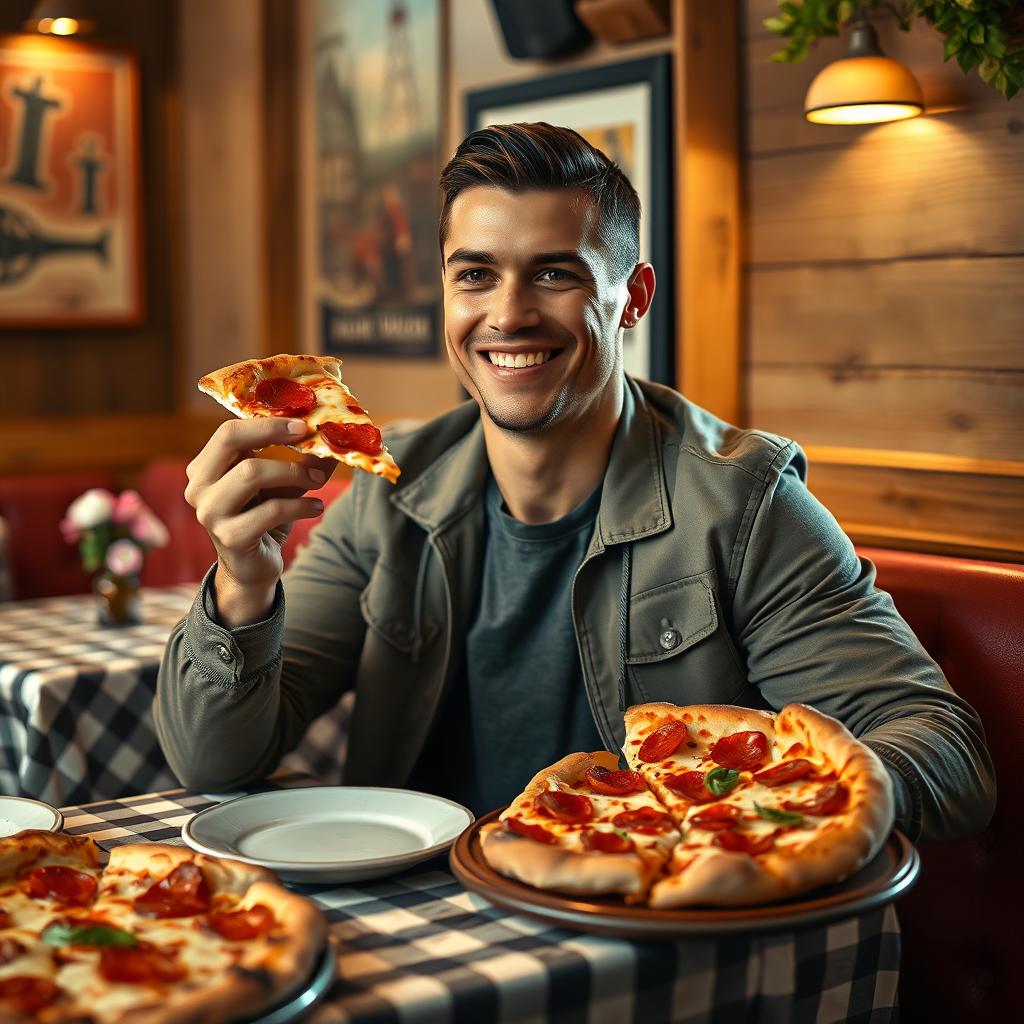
[864, 87]
[59, 18]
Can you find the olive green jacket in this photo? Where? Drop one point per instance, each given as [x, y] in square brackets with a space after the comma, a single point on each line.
[713, 576]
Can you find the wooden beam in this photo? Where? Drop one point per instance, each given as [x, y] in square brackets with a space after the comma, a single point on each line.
[707, 198]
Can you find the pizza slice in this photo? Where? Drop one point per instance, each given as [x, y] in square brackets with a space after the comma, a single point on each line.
[157, 935]
[769, 806]
[308, 388]
[583, 826]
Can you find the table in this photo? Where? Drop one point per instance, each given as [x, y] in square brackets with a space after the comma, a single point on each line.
[419, 948]
[76, 722]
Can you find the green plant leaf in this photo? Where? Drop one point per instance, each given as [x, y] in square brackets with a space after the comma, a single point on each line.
[88, 935]
[720, 780]
[977, 34]
[778, 816]
[777, 25]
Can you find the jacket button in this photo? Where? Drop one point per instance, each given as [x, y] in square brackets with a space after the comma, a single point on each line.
[224, 654]
[669, 638]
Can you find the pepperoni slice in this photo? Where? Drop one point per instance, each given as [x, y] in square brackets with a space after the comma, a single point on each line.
[352, 437]
[568, 807]
[607, 842]
[63, 884]
[690, 785]
[535, 832]
[239, 925]
[663, 742]
[286, 397]
[25, 994]
[143, 964]
[10, 949]
[182, 893]
[4, 919]
[603, 780]
[830, 799]
[357, 410]
[645, 820]
[744, 842]
[716, 817]
[740, 750]
[785, 771]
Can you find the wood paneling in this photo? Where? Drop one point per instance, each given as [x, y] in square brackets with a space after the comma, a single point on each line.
[708, 337]
[910, 505]
[59, 374]
[948, 185]
[966, 313]
[969, 414]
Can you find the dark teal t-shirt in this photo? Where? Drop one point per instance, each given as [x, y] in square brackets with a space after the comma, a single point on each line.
[519, 703]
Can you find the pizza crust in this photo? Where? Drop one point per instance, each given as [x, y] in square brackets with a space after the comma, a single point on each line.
[226, 384]
[582, 872]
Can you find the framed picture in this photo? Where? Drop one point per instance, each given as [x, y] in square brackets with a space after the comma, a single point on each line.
[625, 111]
[372, 78]
[70, 220]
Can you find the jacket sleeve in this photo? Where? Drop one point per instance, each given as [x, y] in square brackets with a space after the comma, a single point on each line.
[815, 629]
[230, 703]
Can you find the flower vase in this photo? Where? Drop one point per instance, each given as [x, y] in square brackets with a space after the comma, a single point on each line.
[118, 599]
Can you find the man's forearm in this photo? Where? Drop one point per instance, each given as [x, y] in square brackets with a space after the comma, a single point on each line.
[240, 604]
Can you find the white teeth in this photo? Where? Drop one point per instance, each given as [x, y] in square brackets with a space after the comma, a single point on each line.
[520, 360]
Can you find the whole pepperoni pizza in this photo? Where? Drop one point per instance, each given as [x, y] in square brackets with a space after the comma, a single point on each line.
[720, 806]
[309, 388]
[159, 935]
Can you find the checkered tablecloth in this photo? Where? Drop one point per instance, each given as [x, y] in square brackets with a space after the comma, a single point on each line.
[419, 948]
[76, 721]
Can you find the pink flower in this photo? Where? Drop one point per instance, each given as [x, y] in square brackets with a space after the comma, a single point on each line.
[91, 509]
[127, 506]
[71, 533]
[147, 529]
[124, 558]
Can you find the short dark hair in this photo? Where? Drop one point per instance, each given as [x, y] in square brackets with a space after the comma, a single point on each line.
[524, 157]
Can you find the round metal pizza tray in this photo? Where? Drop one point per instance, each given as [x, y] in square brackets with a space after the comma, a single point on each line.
[891, 873]
[298, 1005]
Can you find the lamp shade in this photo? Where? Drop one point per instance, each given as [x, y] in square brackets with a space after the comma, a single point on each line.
[864, 87]
[60, 18]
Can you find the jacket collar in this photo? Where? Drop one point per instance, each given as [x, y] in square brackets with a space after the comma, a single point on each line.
[633, 500]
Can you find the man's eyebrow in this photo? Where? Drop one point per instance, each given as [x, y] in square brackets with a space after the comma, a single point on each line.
[479, 256]
[470, 256]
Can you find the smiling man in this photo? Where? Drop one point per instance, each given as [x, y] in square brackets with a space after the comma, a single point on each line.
[568, 543]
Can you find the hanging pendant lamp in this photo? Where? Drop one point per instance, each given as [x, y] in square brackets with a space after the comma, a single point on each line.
[864, 87]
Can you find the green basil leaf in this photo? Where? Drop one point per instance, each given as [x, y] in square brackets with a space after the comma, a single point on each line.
[720, 780]
[779, 817]
[88, 935]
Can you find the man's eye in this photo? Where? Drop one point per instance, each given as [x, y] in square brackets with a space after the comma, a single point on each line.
[555, 276]
[473, 276]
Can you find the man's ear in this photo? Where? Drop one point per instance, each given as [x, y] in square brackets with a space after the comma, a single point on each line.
[640, 286]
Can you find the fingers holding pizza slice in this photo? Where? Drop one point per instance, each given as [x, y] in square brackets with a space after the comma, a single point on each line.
[309, 388]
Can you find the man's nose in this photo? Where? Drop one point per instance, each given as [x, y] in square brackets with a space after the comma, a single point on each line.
[513, 309]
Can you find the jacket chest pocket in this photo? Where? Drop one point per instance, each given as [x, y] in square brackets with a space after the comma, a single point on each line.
[395, 608]
[679, 650]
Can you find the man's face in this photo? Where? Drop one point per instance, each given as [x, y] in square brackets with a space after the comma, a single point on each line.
[532, 306]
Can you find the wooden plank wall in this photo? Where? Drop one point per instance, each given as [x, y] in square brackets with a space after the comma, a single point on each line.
[883, 284]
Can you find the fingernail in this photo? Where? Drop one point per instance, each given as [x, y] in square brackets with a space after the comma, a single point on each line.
[318, 505]
[297, 427]
[317, 476]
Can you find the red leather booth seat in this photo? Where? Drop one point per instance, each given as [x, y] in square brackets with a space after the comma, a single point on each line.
[190, 552]
[42, 563]
[963, 930]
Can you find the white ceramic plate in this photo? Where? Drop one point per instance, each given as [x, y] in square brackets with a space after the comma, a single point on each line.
[18, 812]
[329, 833]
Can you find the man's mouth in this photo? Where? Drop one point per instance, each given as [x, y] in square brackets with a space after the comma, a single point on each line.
[520, 360]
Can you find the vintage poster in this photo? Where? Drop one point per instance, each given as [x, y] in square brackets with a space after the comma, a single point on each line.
[376, 130]
[69, 181]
